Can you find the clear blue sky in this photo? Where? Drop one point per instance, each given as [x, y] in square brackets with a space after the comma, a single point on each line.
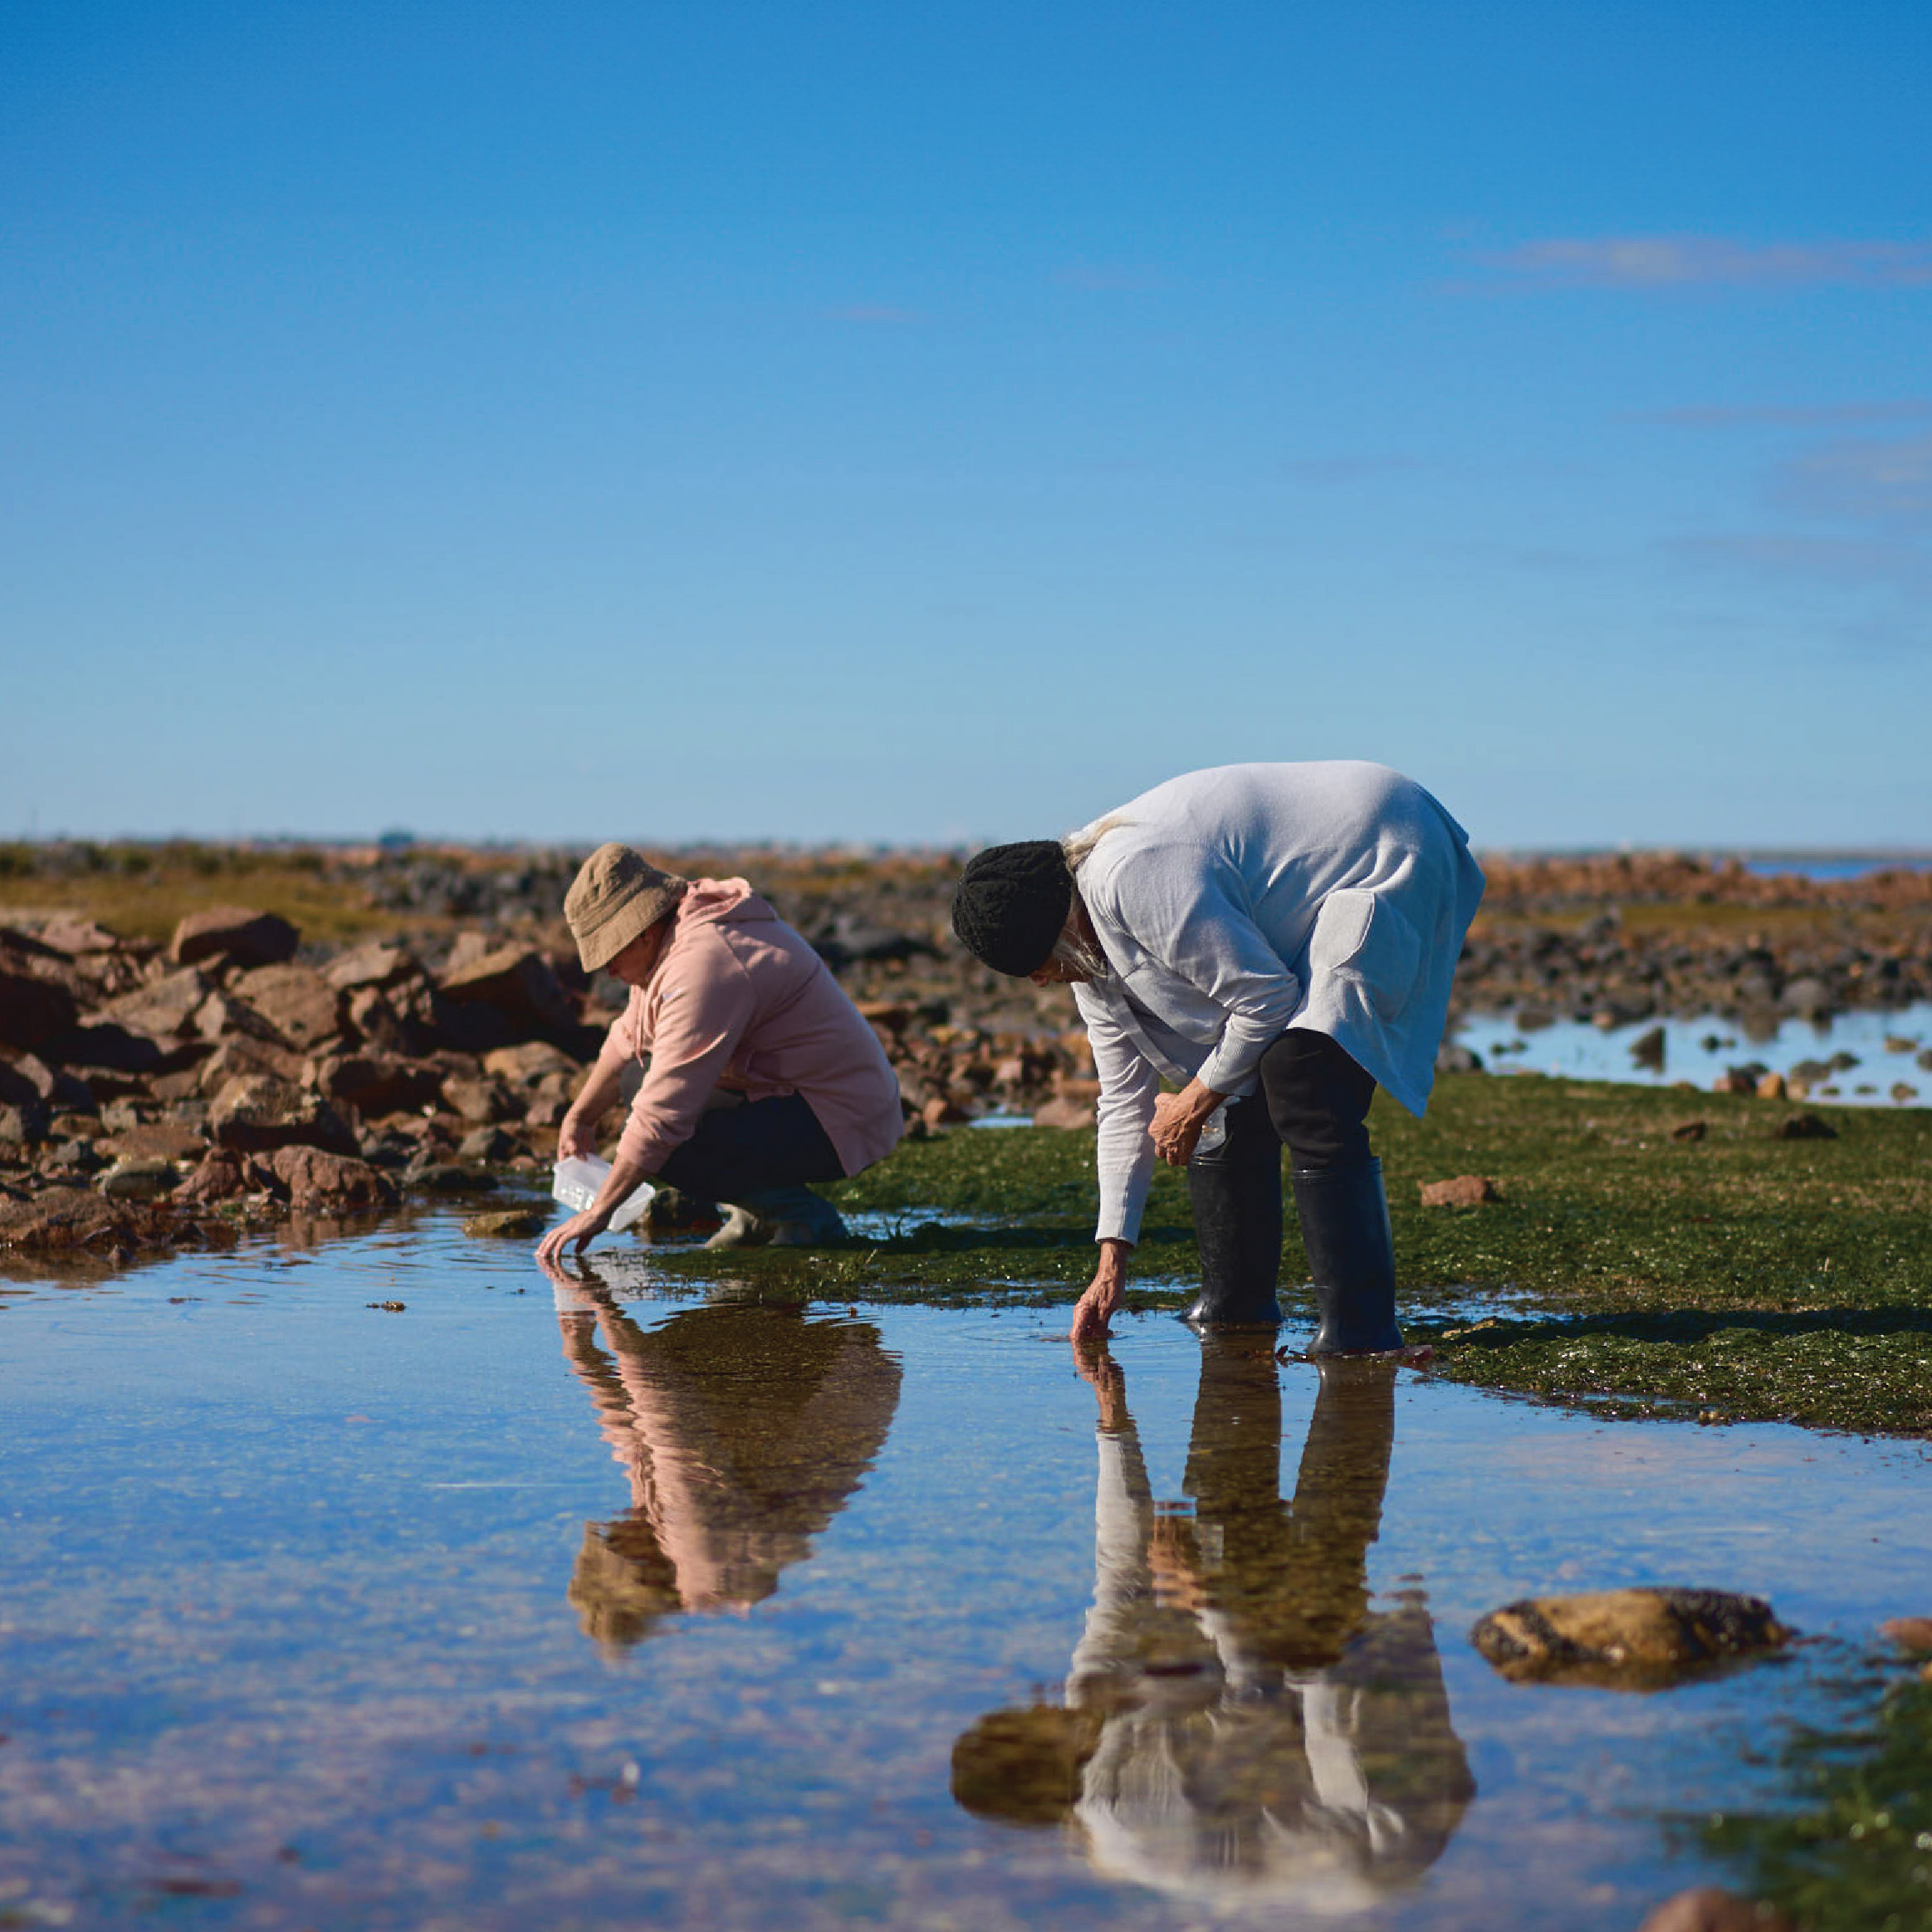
[938, 422]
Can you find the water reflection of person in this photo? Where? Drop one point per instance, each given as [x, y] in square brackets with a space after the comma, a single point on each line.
[744, 1429]
[1238, 1725]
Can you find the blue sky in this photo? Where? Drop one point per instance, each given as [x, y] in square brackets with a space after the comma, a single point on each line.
[823, 422]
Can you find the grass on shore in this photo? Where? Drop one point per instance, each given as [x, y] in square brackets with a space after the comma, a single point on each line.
[1739, 1273]
[142, 891]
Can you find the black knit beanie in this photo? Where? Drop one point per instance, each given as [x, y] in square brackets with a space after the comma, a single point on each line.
[1011, 903]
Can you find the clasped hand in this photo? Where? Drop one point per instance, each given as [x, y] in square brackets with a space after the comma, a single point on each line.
[1178, 1119]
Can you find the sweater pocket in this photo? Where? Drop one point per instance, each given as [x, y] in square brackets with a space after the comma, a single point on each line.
[1360, 935]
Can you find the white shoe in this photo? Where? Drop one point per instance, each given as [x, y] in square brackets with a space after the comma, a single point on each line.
[742, 1229]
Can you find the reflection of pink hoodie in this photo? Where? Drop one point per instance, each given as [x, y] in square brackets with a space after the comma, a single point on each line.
[740, 1000]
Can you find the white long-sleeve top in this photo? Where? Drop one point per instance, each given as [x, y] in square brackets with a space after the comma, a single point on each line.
[1235, 904]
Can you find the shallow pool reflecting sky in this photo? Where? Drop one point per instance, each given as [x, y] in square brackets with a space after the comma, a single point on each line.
[600, 1607]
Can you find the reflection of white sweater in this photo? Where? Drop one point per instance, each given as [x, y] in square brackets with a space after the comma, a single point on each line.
[1235, 904]
[1237, 1781]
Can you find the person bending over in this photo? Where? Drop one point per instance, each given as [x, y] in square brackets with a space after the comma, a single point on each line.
[759, 1074]
[1278, 939]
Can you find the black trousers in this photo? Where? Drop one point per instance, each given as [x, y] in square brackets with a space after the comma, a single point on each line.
[1316, 1099]
[741, 1150]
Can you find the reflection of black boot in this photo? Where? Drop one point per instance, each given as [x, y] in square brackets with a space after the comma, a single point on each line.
[1352, 1255]
[1236, 1193]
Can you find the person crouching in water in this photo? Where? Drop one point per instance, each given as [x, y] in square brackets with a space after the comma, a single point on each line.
[762, 1076]
[1276, 939]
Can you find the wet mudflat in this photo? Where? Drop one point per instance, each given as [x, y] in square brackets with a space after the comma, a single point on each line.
[626, 1606]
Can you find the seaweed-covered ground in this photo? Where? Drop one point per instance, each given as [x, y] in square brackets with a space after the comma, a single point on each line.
[1648, 1247]
[1851, 1850]
[1649, 1250]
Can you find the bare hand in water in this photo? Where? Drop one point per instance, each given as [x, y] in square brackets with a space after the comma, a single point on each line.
[1104, 1295]
[579, 1231]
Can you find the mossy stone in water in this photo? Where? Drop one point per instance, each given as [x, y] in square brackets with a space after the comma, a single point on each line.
[1641, 1639]
[510, 1223]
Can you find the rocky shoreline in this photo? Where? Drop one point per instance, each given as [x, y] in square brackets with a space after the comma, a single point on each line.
[156, 1094]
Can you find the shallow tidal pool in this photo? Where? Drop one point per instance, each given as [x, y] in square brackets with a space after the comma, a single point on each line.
[515, 1606]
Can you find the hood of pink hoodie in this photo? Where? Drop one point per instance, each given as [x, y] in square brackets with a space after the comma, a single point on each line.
[712, 900]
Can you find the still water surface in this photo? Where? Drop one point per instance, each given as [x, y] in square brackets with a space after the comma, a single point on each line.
[519, 1607]
[1883, 1048]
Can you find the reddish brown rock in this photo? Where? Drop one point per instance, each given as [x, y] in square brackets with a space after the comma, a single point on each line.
[525, 1065]
[1804, 1127]
[24, 1122]
[302, 1007]
[1910, 1633]
[375, 1019]
[1707, 1908]
[240, 1053]
[247, 936]
[1465, 1190]
[317, 1180]
[1690, 1130]
[161, 1140]
[482, 1102]
[162, 1008]
[222, 1176]
[62, 1219]
[373, 964]
[105, 1048]
[222, 1014]
[70, 933]
[378, 1083]
[26, 1078]
[33, 1010]
[518, 983]
[255, 1113]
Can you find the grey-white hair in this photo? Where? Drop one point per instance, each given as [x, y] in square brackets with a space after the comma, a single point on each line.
[1072, 948]
[1078, 846]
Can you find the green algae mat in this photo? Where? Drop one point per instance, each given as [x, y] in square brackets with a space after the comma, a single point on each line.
[1649, 1251]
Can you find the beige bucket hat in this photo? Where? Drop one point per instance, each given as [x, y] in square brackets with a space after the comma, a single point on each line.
[617, 894]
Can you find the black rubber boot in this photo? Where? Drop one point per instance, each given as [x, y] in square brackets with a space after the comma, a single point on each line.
[1236, 1193]
[1352, 1256]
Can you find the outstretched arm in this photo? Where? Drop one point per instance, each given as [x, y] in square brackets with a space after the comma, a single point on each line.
[581, 1229]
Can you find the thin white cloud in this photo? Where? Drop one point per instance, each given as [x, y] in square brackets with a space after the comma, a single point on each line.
[1885, 482]
[1668, 261]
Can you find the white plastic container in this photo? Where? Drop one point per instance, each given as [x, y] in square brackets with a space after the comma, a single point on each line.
[575, 1182]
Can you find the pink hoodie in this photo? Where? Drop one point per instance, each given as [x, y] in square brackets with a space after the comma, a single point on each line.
[740, 1000]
